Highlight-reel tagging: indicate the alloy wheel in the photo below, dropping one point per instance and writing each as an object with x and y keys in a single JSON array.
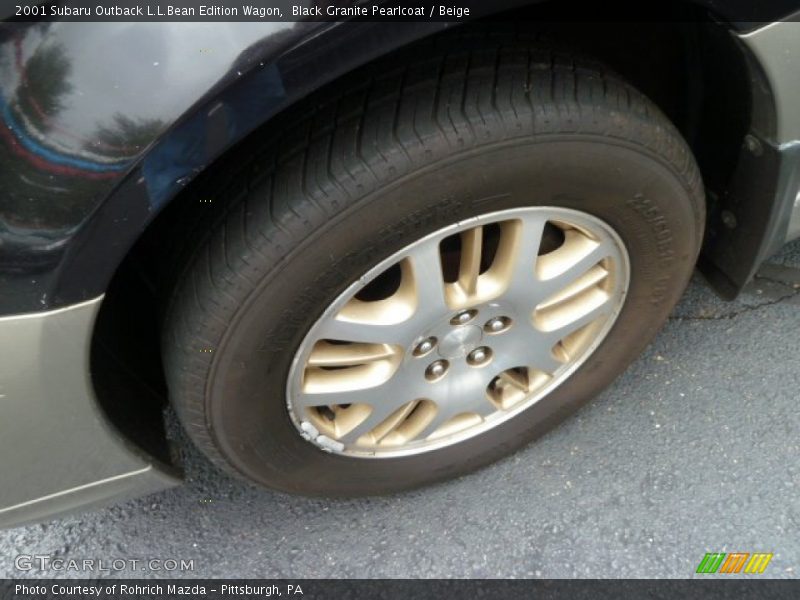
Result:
[{"x": 457, "y": 332}]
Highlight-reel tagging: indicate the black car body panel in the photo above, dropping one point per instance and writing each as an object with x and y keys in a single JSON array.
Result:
[{"x": 135, "y": 126}]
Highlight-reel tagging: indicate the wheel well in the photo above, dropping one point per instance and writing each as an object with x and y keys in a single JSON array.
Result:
[{"x": 693, "y": 69}]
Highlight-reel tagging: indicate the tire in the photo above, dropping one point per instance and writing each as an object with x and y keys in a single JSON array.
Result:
[{"x": 382, "y": 159}]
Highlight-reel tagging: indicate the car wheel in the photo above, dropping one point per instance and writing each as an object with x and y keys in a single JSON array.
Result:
[{"x": 427, "y": 267}]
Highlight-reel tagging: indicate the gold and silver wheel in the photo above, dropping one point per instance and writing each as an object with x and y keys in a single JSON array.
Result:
[{"x": 457, "y": 332}]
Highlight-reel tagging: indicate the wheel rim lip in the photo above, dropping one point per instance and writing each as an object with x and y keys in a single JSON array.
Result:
[{"x": 551, "y": 213}]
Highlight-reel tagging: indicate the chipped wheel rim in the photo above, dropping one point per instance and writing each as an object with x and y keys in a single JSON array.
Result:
[{"x": 457, "y": 332}]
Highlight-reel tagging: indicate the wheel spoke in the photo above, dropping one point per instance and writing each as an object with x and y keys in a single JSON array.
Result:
[
  {"x": 443, "y": 415},
  {"x": 370, "y": 333},
  {"x": 470, "y": 267},
  {"x": 526, "y": 254},
  {"x": 482, "y": 408},
  {"x": 562, "y": 267},
  {"x": 528, "y": 244},
  {"x": 388, "y": 425},
  {"x": 469, "y": 388},
  {"x": 326, "y": 354},
  {"x": 525, "y": 346},
  {"x": 590, "y": 279},
  {"x": 426, "y": 268},
  {"x": 344, "y": 397},
  {"x": 378, "y": 402},
  {"x": 571, "y": 316},
  {"x": 382, "y": 409}
]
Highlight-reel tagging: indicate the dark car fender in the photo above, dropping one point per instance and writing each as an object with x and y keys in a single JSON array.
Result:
[{"x": 91, "y": 154}]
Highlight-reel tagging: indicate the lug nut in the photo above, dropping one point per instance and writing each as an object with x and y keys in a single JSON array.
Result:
[
  {"x": 497, "y": 324},
  {"x": 425, "y": 346},
  {"x": 463, "y": 317},
  {"x": 479, "y": 356},
  {"x": 436, "y": 370}
]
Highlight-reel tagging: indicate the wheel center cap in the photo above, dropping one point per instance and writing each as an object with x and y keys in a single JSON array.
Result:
[{"x": 460, "y": 342}]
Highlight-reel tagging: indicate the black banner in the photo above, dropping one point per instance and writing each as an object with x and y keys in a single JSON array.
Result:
[
  {"x": 392, "y": 10},
  {"x": 318, "y": 589}
]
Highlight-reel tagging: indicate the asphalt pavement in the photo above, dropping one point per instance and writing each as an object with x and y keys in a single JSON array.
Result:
[{"x": 694, "y": 449}]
